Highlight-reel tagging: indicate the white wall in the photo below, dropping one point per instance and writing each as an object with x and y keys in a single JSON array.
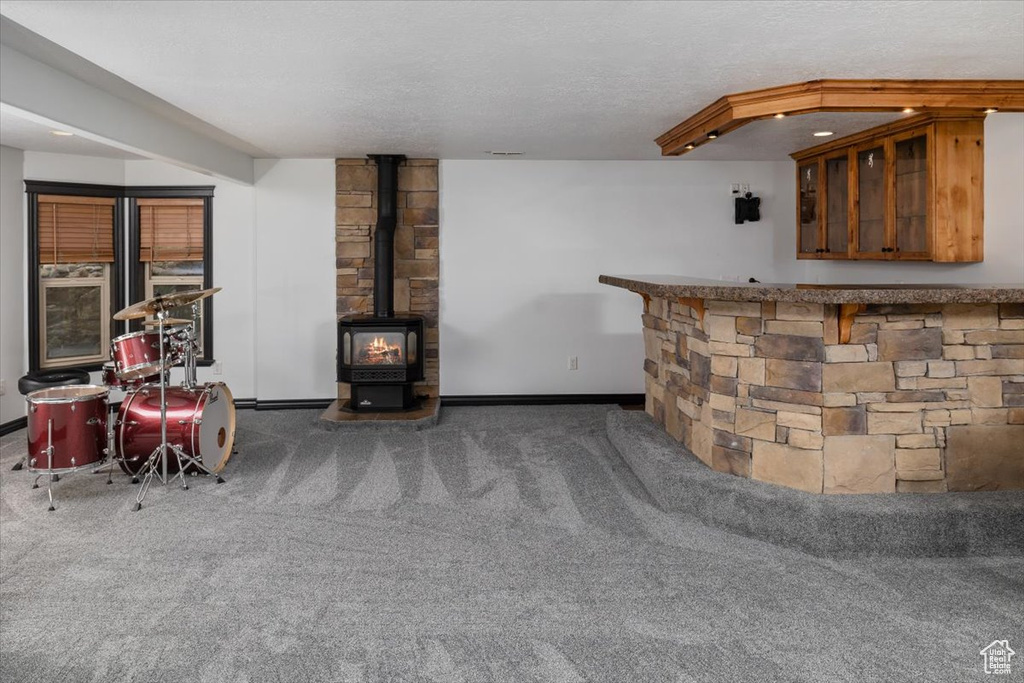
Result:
[
  {"x": 296, "y": 295},
  {"x": 523, "y": 242},
  {"x": 73, "y": 168},
  {"x": 234, "y": 221},
  {"x": 13, "y": 358},
  {"x": 274, "y": 334}
]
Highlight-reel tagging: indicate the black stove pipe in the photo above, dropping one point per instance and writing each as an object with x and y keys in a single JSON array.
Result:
[{"x": 384, "y": 234}]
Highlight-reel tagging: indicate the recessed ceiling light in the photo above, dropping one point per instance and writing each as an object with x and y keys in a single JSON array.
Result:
[
  {"x": 991, "y": 110},
  {"x": 780, "y": 115},
  {"x": 823, "y": 133},
  {"x": 500, "y": 153},
  {"x": 712, "y": 135},
  {"x": 62, "y": 133},
  {"x": 908, "y": 110},
  {"x": 689, "y": 146}
]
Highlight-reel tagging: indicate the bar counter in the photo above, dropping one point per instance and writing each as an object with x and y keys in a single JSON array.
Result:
[
  {"x": 676, "y": 286},
  {"x": 839, "y": 388}
]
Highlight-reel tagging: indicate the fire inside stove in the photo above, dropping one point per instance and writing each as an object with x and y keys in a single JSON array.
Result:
[{"x": 385, "y": 348}]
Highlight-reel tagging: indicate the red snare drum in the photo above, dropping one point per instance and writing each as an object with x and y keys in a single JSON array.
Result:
[
  {"x": 200, "y": 421},
  {"x": 111, "y": 379},
  {"x": 137, "y": 355},
  {"x": 72, "y": 420}
]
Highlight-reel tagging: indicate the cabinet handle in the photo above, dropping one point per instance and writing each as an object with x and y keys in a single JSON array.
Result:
[{"x": 828, "y": 250}]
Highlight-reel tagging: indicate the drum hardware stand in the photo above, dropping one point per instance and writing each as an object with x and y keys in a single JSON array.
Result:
[
  {"x": 49, "y": 465},
  {"x": 160, "y": 452},
  {"x": 111, "y": 429},
  {"x": 192, "y": 351}
]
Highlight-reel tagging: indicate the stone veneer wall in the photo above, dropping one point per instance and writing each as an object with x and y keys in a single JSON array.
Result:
[
  {"x": 417, "y": 262},
  {"x": 924, "y": 398}
]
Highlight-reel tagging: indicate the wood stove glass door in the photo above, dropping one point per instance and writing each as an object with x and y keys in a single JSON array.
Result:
[{"x": 378, "y": 348}]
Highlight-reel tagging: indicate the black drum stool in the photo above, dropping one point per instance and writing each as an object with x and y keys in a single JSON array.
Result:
[{"x": 44, "y": 379}]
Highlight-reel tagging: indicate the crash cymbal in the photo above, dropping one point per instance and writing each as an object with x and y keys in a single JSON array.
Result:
[
  {"x": 140, "y": 309},
  {"x": 163, "y": 303},
  {"x": 168, "y": 321},
  {"x": 186, "y": 298}
]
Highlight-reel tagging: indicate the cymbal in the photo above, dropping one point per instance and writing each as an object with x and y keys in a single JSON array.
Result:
[
  {"x": 163, "y": 303},
  {"x": 168, "y": 321},
  {"x": 186, "y": 298}
]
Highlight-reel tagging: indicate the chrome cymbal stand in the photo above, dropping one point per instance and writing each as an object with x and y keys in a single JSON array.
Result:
[
  {"x": 192, "y": 350},
  {"x": 159, "y": 454}
]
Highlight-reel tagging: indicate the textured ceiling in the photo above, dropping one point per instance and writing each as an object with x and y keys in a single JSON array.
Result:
[{"x": 568, "y": 80}]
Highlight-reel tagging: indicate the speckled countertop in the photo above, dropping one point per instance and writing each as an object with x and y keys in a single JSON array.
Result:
[{"x": 722, "y": 290}]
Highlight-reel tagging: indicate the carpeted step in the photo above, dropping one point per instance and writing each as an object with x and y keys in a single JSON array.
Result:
[{"x": 865, "y": 525}]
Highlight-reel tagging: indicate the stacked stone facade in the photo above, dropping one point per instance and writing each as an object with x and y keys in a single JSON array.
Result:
[
  {"x": 923, "y": 398},
  {"x": 417, "y": 263}
]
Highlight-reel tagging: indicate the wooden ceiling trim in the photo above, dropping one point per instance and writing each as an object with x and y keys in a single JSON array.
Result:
[{"x": 832, "y": 95}]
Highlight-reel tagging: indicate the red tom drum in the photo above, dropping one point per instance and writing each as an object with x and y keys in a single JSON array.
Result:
[
  {"x": 67, "y": 427},
  {"x": 137, "y": 355},
  {"x": 111, "y": 379},
  {"x": 200, "y": 421}
]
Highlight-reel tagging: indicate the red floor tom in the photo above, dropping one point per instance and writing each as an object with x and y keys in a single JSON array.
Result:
[
  {"x": 200, "y": 421},
  {"x": 72, "y": 420}
]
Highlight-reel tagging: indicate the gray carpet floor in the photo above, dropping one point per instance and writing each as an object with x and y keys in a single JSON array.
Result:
[{"x": 506, "y": 544}]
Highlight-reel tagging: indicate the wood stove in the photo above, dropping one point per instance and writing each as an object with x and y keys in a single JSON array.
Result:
[
  {"x": 381, "y": 355},
  {"x": 380, "y": 358}
]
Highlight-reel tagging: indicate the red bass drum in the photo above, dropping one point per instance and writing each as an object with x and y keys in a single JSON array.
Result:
[{"x": 200, "y": 421}]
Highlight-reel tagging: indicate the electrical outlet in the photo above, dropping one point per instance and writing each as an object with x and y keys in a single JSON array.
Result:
[
  {"x": 573, "y": 363},
  {"x": 218, "y": 368},
  {"x": 744, "y": 188}
]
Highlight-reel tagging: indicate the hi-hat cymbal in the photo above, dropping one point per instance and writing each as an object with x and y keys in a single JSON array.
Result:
[
  {"x": 168, "y": 321},
  {"x": 163, "y": 303}
]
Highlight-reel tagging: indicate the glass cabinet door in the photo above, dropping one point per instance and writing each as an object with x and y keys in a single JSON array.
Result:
[
  {"x": 911, "y": 158},
  {"x": 809, "y": 226},
  {"x": 837, "y": 191},
  {"x": 871, "y": 195}
]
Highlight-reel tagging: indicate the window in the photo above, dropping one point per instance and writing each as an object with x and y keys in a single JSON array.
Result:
[
  {"x": 74, "y": 273},
  {"x": 78, "y": 261},
  {"x": 169, "y": 244}
]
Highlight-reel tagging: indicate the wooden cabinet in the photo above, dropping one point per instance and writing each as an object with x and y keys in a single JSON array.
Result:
[{"x": 911, "y": 190}]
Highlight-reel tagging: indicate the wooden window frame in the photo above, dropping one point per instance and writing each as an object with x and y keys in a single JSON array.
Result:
[
  {"x": 114, "y": 282},
  {"x": 64, "y": 283},
  {"x": 137, "y": 281}
]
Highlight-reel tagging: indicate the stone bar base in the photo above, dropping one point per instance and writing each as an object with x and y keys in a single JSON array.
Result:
[{"x": 919, "y": 398}]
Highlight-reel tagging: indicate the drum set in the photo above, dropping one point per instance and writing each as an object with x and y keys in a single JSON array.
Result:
[{"x": 158, "y": 431}]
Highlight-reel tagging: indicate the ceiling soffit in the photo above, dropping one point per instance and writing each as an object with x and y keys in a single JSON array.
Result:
[{"x": 733, "y": 111}]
